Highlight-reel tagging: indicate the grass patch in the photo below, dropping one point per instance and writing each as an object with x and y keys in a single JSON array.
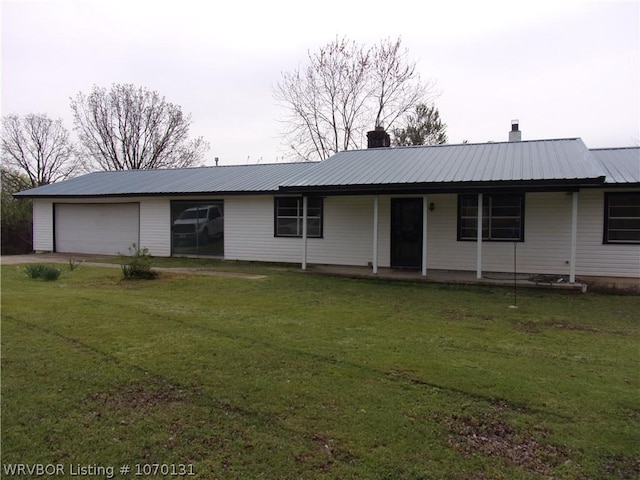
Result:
[
  {"x": 301, "y": 376},
  {"x": 220, "y": 265}
]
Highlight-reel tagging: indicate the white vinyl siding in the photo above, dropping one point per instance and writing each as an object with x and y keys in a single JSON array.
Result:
[
  {"x": 348, "y": 237},
  {"x": 547, "y": 245},
  {"x": 595, "y": 258},
  {"x": 443, "y": 251},
  {"x": 248, "y": 232},
  {"x": 155, "y": 226},
  {"x": 103, "y": 228},
  {"x": 42, "y": 225},
  {"x": 546, "y": 248},
  {"x": 347, "y": 232}
]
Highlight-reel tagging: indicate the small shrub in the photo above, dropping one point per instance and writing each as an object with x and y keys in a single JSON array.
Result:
[
  {"x": 43, "y": 272},
  {"x": 73, "y": 264},
  {"x": 34, "y": 271},
  {"x": 50, "y": 273},
  {"x": 137, "y": 266}
]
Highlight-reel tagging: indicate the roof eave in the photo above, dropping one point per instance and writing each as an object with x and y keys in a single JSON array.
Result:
[
  {"x": 622, "y": 185},
  {"x": 448, "y": 187},
  {"x": 144, "y": 194}
]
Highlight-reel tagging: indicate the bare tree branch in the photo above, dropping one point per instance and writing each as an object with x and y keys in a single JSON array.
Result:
[
  {"x": 345, "y": 90},
  {"x": 38, "y": 147},
  {"x": 131, "y": 128}
]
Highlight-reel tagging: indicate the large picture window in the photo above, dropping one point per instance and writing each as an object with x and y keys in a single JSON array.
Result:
[
  {"x": 622, "y": 217},
  {"x": 502, "y": 217},
  {"x": 288, "y": 217},
  {"x": 197, "y": 228}
]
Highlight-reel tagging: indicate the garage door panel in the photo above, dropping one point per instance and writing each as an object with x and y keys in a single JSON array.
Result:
[{"x": 96, "y": 228}]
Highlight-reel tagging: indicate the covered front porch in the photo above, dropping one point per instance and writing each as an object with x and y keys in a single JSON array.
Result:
[
  {"x": 515, "y": 282},
  {"x": 436, "y": 235}
]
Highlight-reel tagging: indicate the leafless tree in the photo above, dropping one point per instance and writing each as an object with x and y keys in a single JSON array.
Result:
[
  {"x": 130, "y": 128},
  {"x": 36, "y": 148},
  {"x": 345, "y": 90},
  {"x": 398, "y": 89}
]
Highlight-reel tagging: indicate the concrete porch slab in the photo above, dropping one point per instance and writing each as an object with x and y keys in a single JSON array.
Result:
[{"x": 522, "y": 280}]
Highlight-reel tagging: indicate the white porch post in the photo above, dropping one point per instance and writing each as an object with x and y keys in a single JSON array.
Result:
[
  {"x": 425, "y": 206},
  {"x": 305, "y": 201},
  {"x": 376, "y": 208},
  {"x": 574, "y": 238},
  {"x": 479, "y": 240}
]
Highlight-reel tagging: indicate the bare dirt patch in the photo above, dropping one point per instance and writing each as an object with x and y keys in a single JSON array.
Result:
[
  {"x": 532, "y": 326},
  {"x": 324, "y": 453},
  {"x": 623, "y": 467},
  {"x": 489, "y": 435},
  {"x": 139, "y": 396}
]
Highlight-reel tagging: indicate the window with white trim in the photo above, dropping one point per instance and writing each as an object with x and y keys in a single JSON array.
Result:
[
  {"x": 502, "y": 217},
  {"x": 288, "y": 217},
  {"x": 622, "y": 217}
]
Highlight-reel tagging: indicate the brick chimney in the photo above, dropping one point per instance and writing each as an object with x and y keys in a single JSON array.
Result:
[
  {"x": 515, "y": 135},
  {"x": 378, "y": 138}
]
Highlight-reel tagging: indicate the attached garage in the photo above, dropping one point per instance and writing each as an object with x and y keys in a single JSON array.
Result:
[
  {"x": 537, "y": 207},
  {"x": 109, "y": 228}
]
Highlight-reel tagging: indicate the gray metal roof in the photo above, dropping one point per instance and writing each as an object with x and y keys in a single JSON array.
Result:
[
  {"x": 543, "y": 160},
  {"x": 204, "y": 180},
  {"x": 621, "y": 164},
  {"x": 540, "y": 163}
]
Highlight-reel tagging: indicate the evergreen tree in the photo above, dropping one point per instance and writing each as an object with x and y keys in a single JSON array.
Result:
[{"x": 424, "y": 127}]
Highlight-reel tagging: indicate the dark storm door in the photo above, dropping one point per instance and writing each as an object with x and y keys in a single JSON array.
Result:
[{"x": 406, "y": 232}]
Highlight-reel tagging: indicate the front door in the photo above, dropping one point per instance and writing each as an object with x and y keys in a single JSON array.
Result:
[{"x": 406, "y": 232}]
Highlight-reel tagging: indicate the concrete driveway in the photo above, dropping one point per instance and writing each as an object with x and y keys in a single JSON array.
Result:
[{"x": 54, "y": 258}]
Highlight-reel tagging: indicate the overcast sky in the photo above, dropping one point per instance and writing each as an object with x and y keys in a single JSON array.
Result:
[{"x": 564, "y": 69}]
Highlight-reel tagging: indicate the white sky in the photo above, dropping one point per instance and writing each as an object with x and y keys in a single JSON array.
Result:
[{"x": 564, "y": 69}]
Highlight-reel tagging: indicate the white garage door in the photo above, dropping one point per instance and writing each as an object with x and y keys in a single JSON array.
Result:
[{"x": 96, "y": 228}]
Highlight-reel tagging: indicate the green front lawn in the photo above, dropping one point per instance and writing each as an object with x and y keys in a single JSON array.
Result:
[{"x": 297, "y": 376}]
